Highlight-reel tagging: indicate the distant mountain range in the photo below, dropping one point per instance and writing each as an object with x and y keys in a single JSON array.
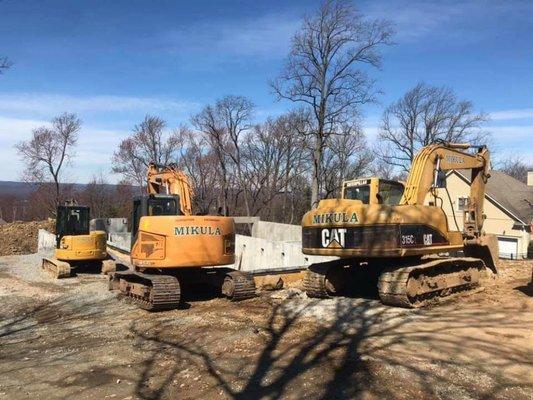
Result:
[{"x": 22, "y": 190}]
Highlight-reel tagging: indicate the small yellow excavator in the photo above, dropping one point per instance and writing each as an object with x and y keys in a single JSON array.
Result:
[
  {"x": 400, "y": 246},
  {"x": 172, "y": 248},
  {"x": 76, "y": 247}
]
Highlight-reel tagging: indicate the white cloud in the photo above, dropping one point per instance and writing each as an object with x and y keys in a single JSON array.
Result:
[
  {"x": 524, "y": 113},
  {"x": 11, "y": 128},
  {"x": 372, "y": 132},
  {"x": 92, "y": 155},
  {"x": 463, "y": 19},
  {"x": 415, "y": 19},
  {"x": 266, "y": 36},
  {"x": 512, "y": 132},
  {"x": 42, "y": 103}
]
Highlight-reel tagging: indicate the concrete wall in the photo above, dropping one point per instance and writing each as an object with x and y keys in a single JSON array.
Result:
[
  {"x": 261, "y": 255},
  {"x": 46, "y": 241},
  {"x": 110, "y": 225},
  {"x": 277, "y": 232},
  {"x": 120, "y": 240}
]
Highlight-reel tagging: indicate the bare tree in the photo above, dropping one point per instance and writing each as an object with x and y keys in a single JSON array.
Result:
[
  {"x": 346, "y": 157},
  {"x": 5, "y": 64},
  {"x": 382, "y": 168},
  {"x": 148, "y": 143},
  {"x": 516, "y": 167},
  {"x": 273, "y": 159},
  {"x": 235, "y": 113},
  {"x": 200, "y": 163},
  {"x": 49, "y": 149},
  {"x": 224, "y": 125},
  {"x": 207, "y": 122},
  {"x": 324, "y": 71},
  {"x": 98, "y": 195},
  {"x": 424, "y": 115}
]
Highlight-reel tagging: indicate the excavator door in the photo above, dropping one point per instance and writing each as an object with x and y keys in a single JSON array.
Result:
[
  {"x": 71, "y": 221},
  {"x": 152, "y": 205}
]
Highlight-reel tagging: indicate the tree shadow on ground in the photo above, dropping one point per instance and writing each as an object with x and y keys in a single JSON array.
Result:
[
  {"x": 355, "y": 351},
  {"x": 526, "y": 289},
  {"x": 270, "y": 348},
  {"x": 52, "y": 338}
]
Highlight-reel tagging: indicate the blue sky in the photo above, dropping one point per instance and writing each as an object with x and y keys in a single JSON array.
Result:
[{"x": 113, "y": 62}]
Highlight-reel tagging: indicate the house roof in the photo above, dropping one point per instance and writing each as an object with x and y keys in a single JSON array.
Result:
[{"x": 511, "y": 194}]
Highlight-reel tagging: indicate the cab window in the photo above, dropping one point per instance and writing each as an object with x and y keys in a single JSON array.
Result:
[
  {"x": 361, "y": 193},
  {"x": 158, "y": 206},
  {"x": 390, "y": 192}
]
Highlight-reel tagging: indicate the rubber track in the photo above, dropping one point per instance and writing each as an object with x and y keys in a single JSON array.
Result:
[
  {"x": 315, "y": 281},
  {"x": 244, "y": 285},
  {"x": 164, "y": 293},
  {"x": 58, "y": 269},
  {"x": 392, "y": 285}
]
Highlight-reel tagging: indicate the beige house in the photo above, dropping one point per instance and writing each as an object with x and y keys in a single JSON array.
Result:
[{"x": 508, "y": 208}]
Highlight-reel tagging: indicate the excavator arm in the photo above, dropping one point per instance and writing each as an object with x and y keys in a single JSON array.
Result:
[
  {"x": 168, "y": 179},
  {"x": 427, "y": 173}
]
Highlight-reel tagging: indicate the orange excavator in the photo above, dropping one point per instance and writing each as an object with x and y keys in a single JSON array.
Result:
[
  {"x": 401, "y": 247},
  {"x": 172, "y": 248}
]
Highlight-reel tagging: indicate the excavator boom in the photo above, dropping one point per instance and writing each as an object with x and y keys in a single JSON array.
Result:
[
  {"x": 168, "y": 179},
  {"x": 432, "y": 161}
]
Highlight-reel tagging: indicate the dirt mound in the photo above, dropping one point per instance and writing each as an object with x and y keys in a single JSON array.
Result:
[{"x": 21, "y": 237}]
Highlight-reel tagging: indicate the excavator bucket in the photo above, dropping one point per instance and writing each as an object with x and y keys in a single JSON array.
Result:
[{"x": 486, "y": 249}]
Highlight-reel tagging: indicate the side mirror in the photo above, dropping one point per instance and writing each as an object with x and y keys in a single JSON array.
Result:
[{"x": 441, "y": 179}]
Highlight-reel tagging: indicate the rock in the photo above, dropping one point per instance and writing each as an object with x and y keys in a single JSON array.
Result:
[{"x": 291, "y": 293}]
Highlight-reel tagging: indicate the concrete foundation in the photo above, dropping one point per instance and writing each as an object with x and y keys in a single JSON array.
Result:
[
  {"x": 277, "y": 232},
  {"x": 259, "y": 255},
  {"x": 109, "y": 225},
  {"x": 121, "y": 241},
  {"x": 46, "y": 241}
]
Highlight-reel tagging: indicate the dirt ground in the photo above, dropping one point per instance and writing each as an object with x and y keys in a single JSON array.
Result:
[
  {"x": 74, "y": 339},
  {"x": 21, "y": 237}
]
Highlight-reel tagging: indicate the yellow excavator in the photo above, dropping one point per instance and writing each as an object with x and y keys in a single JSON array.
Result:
[
  {"x": 172, "y": 248},
  {"x": 76, "y": 246},
  {"x": 401, "y": 247}
]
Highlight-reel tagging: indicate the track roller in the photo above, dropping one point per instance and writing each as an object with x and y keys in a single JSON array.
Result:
[
  {"x": 238, "y": 286},
  {"x": 55, "y": 268},
  {"x": 149, "y": 292},
  {"x": 325, "y": 280},
  {"x": 418, "y": 285}
]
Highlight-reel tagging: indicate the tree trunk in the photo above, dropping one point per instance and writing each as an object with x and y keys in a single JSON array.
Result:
[
  {"x": 315, "y": 180},
  {"x": 56, "y": 181}
]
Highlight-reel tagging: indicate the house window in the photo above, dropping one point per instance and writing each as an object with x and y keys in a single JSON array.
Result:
[{"x": 462, "y": 202}]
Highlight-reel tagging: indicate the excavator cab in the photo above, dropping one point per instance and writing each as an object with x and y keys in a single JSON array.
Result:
[
  {"x": 153, "y": 205},
  {"x": 373, "y": 191},
  {"x": 71, "y": 220}
]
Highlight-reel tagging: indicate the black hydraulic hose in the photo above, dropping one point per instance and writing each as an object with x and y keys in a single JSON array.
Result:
[{"x": 453, "y": 211}]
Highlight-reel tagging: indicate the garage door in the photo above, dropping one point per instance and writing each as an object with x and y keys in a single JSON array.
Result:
[{"x": 508, "y": 247}]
